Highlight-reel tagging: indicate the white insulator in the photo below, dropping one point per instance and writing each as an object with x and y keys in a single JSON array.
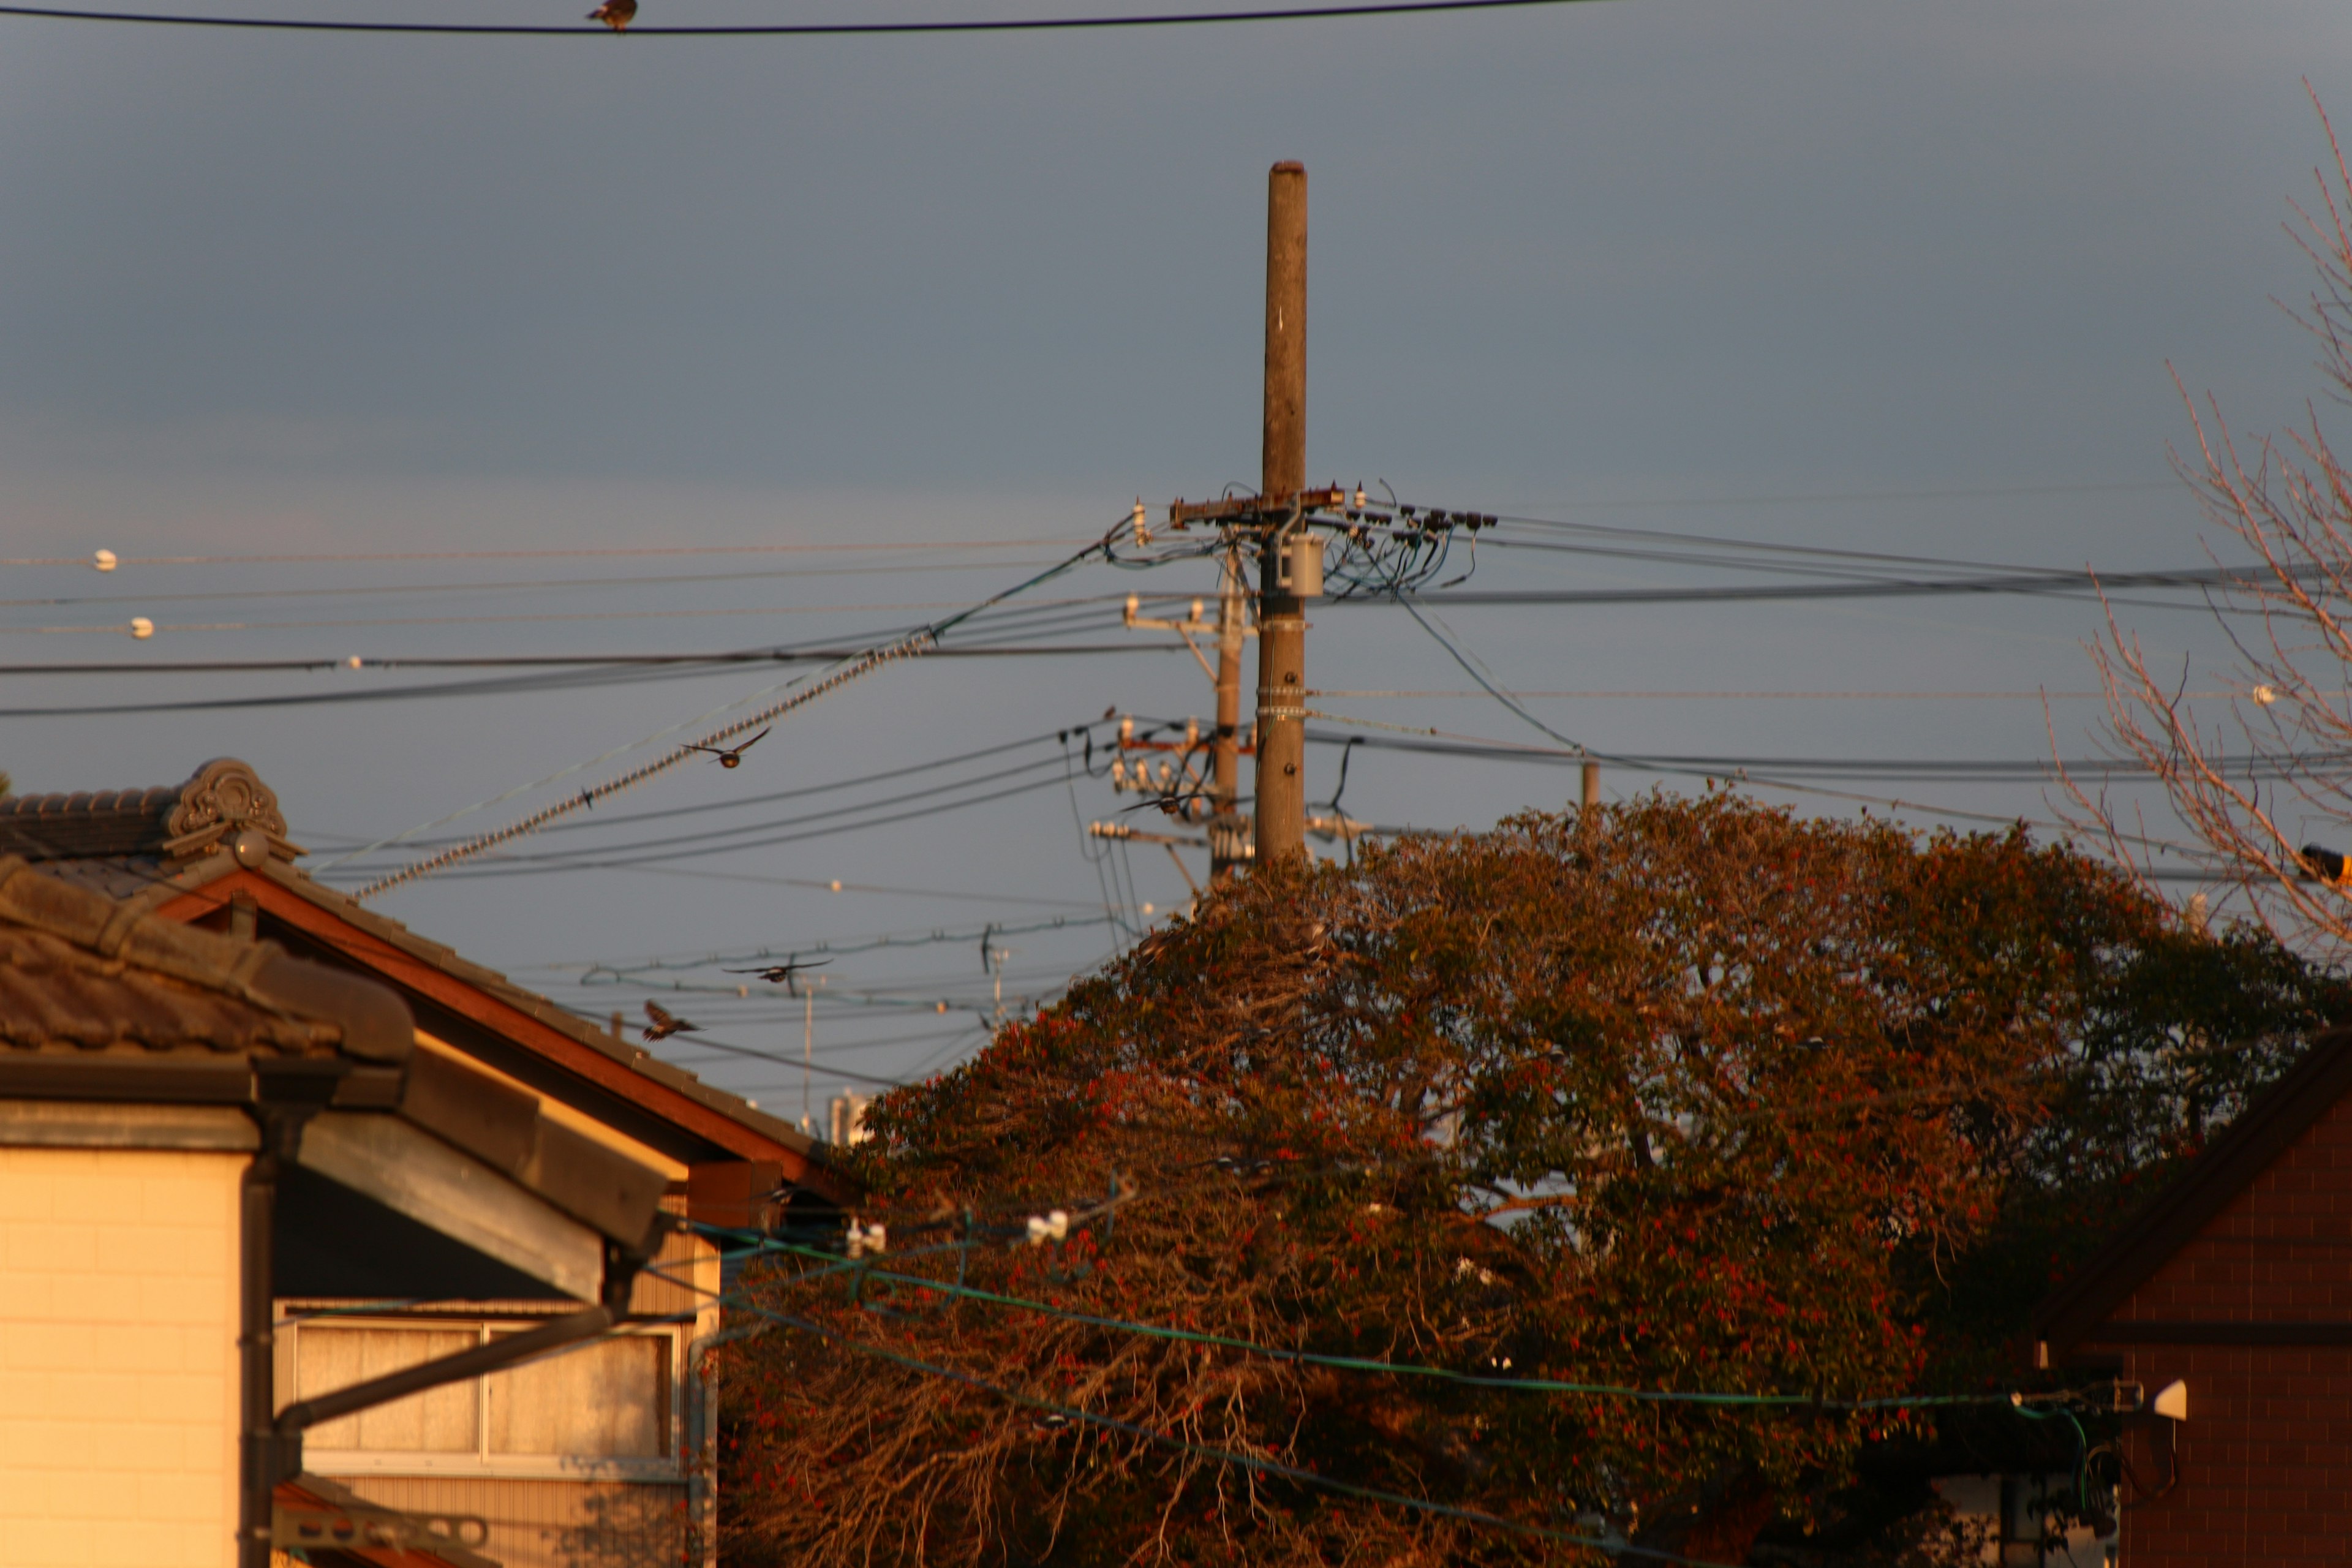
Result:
[
  {"x": 142, "y": 628},
  {"x": 1057, "y": 1225},
  {"x": 1038, "y": 1230},
  {"x": 104, "y": 561}
]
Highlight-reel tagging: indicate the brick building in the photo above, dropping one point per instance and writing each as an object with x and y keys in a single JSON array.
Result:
[{"x": 2237, "y": 1283}]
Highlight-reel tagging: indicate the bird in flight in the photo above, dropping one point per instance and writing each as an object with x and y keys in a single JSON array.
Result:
[
  {"x": 782, "y": 974},
  {"x": 664, "y": 1023},
  {"x": 732, "y": 756},
  {"x": 615, "y": 13}
]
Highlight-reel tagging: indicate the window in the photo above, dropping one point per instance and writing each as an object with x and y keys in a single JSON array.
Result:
[{"x": 607, "y": 1409}]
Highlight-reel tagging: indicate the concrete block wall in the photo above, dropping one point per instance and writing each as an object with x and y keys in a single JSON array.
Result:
[{"x": 118, "y": 1357}]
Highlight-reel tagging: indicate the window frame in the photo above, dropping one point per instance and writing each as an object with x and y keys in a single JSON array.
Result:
[{"x": 481, "y": 1461}]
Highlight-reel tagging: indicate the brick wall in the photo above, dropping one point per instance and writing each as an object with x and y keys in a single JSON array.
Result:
[
  {"x": 118, "y": 1357},
  {"x": 2267, "y": 1452},
  {"x": 2265, "y": 1459}
]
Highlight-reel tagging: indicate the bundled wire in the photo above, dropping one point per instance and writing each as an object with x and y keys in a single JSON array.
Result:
[
  {"x": 747, "y": 1244},
  {"x": 913, "y": 646}
]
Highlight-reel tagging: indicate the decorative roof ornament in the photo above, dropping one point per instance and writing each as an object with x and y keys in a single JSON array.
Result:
[
  {"x": 226, "y": 807},
  {"x": 222, "y": 808}
]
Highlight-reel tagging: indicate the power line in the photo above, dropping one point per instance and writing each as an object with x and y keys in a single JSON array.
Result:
[
  {"x": 622, "y": 670},
  {"x": 1731, "y": 767},
  {"x": 626, "y": 973},
  {"x": 840, "y": 887},
  {"x": 580, "y": 860},
  {"x": 519, "y": 584},
  {"x": 535, "y": 618},
  {"x": 2028, "y": 584},
  {"x": 1829, "y": 497},
  {"x": 804, "y": 30},
  {"x": 1756, "y": 695},
  {"x": 912, "y": 645},
  {"x": 631, "y": 552}
]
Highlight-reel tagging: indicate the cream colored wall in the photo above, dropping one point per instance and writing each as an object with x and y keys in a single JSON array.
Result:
[{"x": 118, "y": 1357}]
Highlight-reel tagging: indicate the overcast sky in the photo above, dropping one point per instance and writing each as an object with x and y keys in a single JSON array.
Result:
[{"x": 1886, "y": 276}]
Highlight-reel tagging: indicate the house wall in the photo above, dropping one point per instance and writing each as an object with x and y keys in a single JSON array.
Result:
[
  {"x": 2265, "y": 1459},
  {"x": 118, "y": 1357}
]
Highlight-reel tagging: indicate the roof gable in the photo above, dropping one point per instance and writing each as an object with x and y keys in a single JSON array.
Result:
[
  {"x": 188, "y": 852},
  {"x": 2298, "y": 1133},
  {"x": 447, "y": 990}
]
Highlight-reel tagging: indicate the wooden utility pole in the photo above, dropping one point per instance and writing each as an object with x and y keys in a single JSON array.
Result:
[{"x": 1282, "y": 615}]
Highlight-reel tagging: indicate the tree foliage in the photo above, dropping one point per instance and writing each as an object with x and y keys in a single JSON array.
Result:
[{"x": 1682, "y": 1095}]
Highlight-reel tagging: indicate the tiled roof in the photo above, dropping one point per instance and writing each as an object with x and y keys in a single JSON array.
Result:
[
  {"x": 81, "y": 973},
  {"x": 97, "y": 996},
  {"x": 149, "y": 847},
  {"x": 56, "y": 996}
]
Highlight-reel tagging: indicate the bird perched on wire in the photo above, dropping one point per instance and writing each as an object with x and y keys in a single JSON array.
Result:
[
  {"x": 782, "y": 974},
  {"x": 615, "y": 13},
  {"x": 664, "y": 1023},
  {"x": 732, "y": 756}
]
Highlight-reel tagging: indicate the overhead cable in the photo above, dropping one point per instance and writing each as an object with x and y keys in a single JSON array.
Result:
[
  {"x": 337, "y": 559},
  {"x": 749, "y": 1243},
  {"x": 804, "y": 30},
  {"x": 914, "y": 646}
]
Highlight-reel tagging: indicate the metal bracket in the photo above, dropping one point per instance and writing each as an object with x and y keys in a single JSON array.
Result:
[{"x": 350, "y": 1529}]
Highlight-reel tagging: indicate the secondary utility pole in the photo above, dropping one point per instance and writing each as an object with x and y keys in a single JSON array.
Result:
[
  {"x": 1229, "y": 831},
  {"x": 1281, "y": 613}
]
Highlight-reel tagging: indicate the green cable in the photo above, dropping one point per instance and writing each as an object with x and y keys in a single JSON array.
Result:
[
  {"x": 1357, "y": 1363},
  {"x": 1221, "y": 1456}
]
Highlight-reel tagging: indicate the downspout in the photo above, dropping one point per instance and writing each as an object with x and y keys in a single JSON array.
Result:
[
  {"x": 287, "y": 1095},
  {"x": 256, "y": 1349},
  {"x": 271, "y": 1445}
]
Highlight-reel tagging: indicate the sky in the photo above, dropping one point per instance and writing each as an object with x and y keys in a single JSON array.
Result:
[{"x": 1820, "y": 273}]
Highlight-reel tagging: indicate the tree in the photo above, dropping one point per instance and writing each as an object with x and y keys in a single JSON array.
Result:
[
  {"x": 2246, "y": 785},
  {"x": 1683, "y": 1095}
]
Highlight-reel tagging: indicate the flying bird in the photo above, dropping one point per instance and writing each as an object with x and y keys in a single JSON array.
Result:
[
  {"x": 732, "y": 756},
  {"x": 615, "y": 13},
  {"x": 782, "y": 974},
  {"x": 664, "y": 1023}
]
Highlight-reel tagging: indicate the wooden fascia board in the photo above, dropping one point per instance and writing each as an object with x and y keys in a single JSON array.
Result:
[
  {"x": 2247, "y": 1148},
  {"x": 401, "y": 968}
]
